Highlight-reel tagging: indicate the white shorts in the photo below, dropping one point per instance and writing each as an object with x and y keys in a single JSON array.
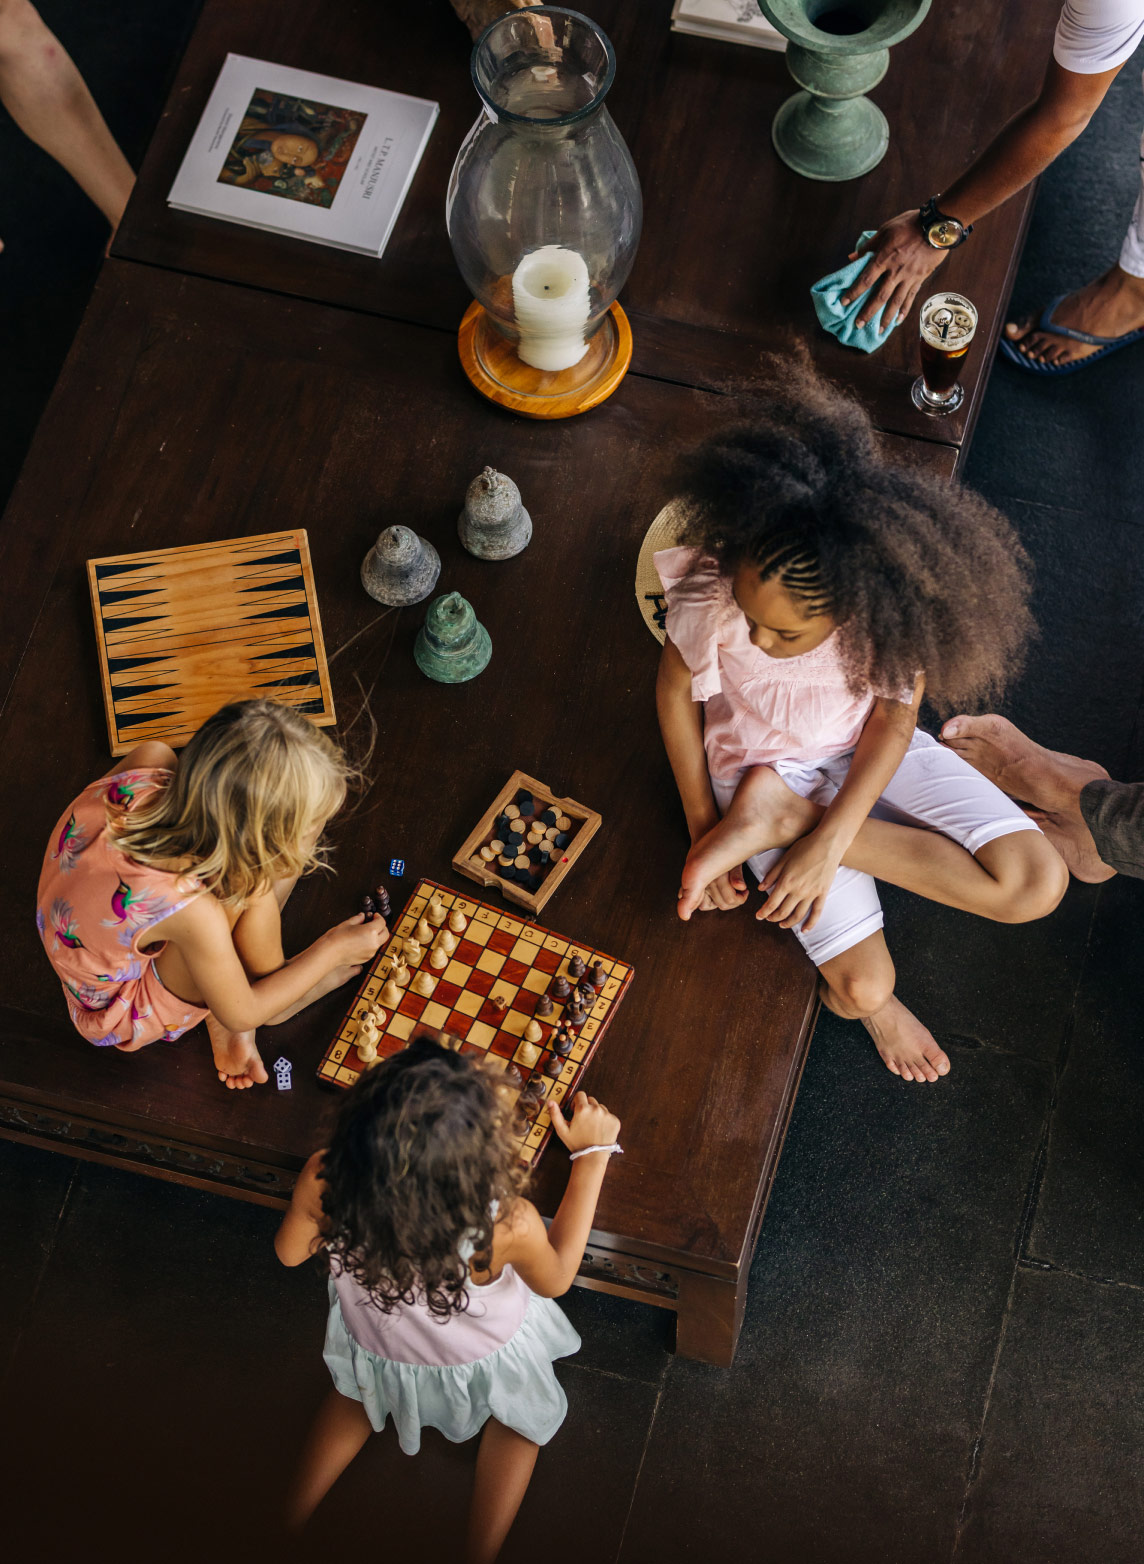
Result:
[{"x": 933, "y": 787}]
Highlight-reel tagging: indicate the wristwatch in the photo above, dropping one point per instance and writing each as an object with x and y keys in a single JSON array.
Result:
[{"x": 942, "y": 232}]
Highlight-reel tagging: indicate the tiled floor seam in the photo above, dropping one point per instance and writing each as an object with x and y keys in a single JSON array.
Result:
[
  {"x": 979, "y": 1441},
  {"x": 1050, "y": 1267},
  {"x": 640, "y": 1467},
  {"x": 33, "y": 1297}
]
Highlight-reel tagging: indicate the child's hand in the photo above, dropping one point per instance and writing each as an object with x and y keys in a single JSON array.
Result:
[
  {"x": 356, "y": 942},
  {"x": 592, "y": 1125},
  {"x": 796, "y": 886},
  {"x": 725, "y": 893}
]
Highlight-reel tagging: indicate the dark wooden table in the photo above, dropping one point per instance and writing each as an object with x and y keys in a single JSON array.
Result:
[
  {"x": 732, "y": 239},
  {"x": 228, "y": 382},
  {"x": 191, "y": 410}
]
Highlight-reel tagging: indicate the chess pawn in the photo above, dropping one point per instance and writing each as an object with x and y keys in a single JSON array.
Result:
[
  {"x": 575, "y": 966},
  {"x": 533, "y": 1032},
  {"x": 400, "y": 568},
  {"x": 381, "y": 900},
  {"x": 424, "y": 931},
  {"x": 438, "y": 959},
  {"x": 561, "y": 988},
  {"x": 494, "y": 524},
  {"x": 391, "y": 994},
  {"x": 435, "y": 912},
  {"x": 424, "y": 983},
  {"x": 447, "y": 941},
  {"x": 528, "y": 1054},
  {"x": 544, "y": 1005},
  {"x": 452, "y": 645},
  {"x": 458, "y": 923}
]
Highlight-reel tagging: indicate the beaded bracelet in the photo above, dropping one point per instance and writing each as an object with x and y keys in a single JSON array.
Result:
[{"x": 586, "y": 1151}]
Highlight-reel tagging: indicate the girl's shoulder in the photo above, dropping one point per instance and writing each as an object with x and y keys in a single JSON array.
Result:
[{"x": 124, "y": 791}]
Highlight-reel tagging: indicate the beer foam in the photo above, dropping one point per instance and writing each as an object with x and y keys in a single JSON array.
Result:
[{"x": 948, "y": 321}]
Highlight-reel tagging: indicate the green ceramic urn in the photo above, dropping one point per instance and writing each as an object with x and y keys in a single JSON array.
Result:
[{"x": 837, "y": 51}]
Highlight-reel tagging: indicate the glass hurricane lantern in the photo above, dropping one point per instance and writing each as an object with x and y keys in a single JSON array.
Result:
[{"x": 544, "y": 214}]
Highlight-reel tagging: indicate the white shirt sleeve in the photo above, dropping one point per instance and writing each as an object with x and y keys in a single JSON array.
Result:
[{"x": 1097, "y": 35}]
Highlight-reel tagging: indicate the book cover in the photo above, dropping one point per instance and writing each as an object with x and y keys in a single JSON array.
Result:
[
  {"x": 734, "y": 21},
  {"x": 301, "y": 154}
]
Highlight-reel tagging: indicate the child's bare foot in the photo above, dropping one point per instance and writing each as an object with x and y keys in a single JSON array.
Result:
[
  {"x": 236, "y": 1058},
  {"x": 907, "y": 1047},
  {"x": 763, "y": 813}
]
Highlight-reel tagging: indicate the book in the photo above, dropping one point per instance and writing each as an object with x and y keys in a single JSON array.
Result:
[
  {"x": 310, "y": 156},
  {"x": 733, "y": 21}
]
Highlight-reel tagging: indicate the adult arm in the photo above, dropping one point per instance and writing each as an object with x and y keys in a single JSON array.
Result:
[
  {"x": 797, "y": 885},
  {"x": 901, "y": 258}
]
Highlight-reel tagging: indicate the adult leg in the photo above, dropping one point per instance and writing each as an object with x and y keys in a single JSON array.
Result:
[
  {"x": 340, "y": 1429},
  {"x": 504, "y": 1468},
  {"x": 1108, "y": 307},
  {"x": 859, "y": 986},
  {"x": 47, "y": 97},
  {"x": 1049, "y": 781}
]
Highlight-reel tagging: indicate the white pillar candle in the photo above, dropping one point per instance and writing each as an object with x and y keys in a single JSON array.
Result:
[{"x": 550, "y": 297}]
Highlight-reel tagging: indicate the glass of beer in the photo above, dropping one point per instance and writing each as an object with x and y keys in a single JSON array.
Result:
[{"x": 948, "y": 322}]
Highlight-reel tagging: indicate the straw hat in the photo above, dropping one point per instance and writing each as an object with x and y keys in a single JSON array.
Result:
[{"x": 663, "y": 533}]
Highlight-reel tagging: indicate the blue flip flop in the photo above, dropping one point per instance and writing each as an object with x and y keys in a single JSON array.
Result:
[{"x": 1106, "y": 345}]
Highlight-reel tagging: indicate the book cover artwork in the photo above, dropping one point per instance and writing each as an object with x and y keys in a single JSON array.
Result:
[{"x": 291, "y": 147}]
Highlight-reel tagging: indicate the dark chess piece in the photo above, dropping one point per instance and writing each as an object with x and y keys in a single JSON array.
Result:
[
  {"x": 597, "y": 977},
  {"x": 381, "y": 897},
  {"x": 575, "y": 1016},
  {"x": 562, "y": 1043},
  {"x": 585, "y": 995},
  {"x": 368, "y": 908},
  {"x": 544, "y": 1005},
  {"x": 575, "y": 967},
  {"x": 512, "y": 1075},
  {"x": 552, "y": 1066},
  {"x": 561, "y": 988}
]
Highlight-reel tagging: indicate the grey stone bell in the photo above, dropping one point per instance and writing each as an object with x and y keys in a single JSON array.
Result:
[
  {"x": 494, "y": 524},
  {"x": 400, "y": 568}
]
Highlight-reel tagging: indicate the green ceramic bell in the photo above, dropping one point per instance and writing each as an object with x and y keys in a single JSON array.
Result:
[
  {"x": 452, "y": 645},
  {"x": 837, "y": 51}
]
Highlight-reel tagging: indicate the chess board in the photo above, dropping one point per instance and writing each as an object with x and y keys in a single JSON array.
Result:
[
  {"x": 182, "y": 631},
  {"x": 496, "y": 955}
]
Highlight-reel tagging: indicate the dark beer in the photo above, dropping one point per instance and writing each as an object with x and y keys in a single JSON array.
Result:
[{"x": 948, "y": 322}]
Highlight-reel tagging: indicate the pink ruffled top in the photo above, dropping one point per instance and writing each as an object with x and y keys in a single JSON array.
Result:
[{"x": 759, "y": 709}]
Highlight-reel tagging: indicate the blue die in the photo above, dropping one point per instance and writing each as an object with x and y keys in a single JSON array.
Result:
[{"x": 397, "y": 867}]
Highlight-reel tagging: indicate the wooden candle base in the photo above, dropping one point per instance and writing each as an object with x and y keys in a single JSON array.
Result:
[{"x": 492, "y": 365}]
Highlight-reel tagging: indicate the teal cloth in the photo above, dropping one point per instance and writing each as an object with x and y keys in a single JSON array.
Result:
[
  {"x": 839, "y": 318},
  {"x": 515, "y": 1384}
]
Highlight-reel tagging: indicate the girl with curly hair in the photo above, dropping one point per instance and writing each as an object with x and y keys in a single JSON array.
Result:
[
  {"x": 442, "y": 1274},
  {"x": 816, "y": 595}
]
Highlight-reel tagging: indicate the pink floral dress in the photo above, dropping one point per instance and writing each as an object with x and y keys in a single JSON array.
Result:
[{"x": 97, "y": 911}]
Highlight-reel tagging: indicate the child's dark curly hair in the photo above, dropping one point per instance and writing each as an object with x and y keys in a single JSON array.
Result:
[
  {"x": 919, "y": 574},
  {"x": 419, "y": 1158}
]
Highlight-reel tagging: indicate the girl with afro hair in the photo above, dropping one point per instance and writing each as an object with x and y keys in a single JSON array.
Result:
[{"x": 816, "y": 594}]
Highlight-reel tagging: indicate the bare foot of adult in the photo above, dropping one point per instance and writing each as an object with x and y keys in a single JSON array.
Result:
[
  {"x": 763, "y": 813},
  {"x": 1026, "y": 771},
  {"x": 907, "y": 1047},
  {"x": 236, "y": 1058},
  {"x": 1108, "y": 307},
  {"x": 1073, "y": 840}
]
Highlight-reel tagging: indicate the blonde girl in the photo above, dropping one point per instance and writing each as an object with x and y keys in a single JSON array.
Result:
[{"x": 159, "y": 903}]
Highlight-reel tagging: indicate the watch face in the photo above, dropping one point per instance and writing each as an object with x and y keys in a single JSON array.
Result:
[{"x": 944, "y": 235}]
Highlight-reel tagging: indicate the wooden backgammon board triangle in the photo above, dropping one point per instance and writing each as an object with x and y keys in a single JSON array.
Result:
[{"x": 182, "y": 631}]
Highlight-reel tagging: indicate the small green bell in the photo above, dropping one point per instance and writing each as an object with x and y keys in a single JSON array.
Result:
[{"x": 452, "y": 645}]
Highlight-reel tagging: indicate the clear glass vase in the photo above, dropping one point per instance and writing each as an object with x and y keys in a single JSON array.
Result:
[{"x": 544, "y": 207}]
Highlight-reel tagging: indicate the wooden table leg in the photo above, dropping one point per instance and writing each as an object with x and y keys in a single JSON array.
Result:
[{"x": 709, "y": 1315}]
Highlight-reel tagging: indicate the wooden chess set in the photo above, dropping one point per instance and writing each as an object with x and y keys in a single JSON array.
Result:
[
  {"x": 526, "y": 842},
  {"x": 531, "y": 1003},
  {"x": 182, "y": 631}
]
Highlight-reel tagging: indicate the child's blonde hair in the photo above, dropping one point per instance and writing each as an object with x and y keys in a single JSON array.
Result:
[{"x": 250, "y": 785}]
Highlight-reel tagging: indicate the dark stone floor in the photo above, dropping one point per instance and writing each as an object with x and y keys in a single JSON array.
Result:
[{"x": 944, "y": 1344}]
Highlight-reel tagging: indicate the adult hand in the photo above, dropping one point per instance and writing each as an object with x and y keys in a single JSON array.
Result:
[
  {"x": 901, "y": 258},
  {"x": 796, "y": 886}
]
